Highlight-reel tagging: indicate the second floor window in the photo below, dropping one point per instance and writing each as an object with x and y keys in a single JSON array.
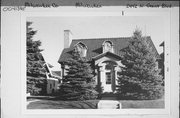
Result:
[
  {"x": 107, "y": 47},
  {"x": 81, "y": 49}
]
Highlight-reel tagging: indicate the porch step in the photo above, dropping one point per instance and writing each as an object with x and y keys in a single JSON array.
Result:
[{"x": 109, "y": 96}]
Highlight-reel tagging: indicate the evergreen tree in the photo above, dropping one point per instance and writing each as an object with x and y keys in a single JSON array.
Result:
[
  {"x": 36, "y": 83},
  {"x": 79, "y": 83},
  {"x": 140, "y": 78}
]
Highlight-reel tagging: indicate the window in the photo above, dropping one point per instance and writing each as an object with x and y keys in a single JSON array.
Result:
[
  {"x": 108, "y": 78},
  {"x": 81, "y": 49},
  {"x": 107, "y": 46}
]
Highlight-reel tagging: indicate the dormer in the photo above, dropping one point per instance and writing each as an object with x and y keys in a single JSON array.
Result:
[
  {"x": 81, "y": 49},
  {"x": 108, "y": 46}
]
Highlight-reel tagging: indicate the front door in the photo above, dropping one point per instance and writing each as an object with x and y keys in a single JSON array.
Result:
[
  {"x": 108, "y": 82},
  {"x": 107, "y": 76}
]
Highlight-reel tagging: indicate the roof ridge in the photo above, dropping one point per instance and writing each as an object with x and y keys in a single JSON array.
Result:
[
  {"x": 101, "y": 38},
  {"x": 104, "y": 38}
]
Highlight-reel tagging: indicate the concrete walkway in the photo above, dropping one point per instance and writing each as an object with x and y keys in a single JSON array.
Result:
[
  {"x": 109, "y": 104},
  {"x": 109, "y": 101}
]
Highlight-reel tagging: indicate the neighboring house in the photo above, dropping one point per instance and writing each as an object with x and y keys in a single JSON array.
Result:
[
  {"x": 53, "y": 79},
  {"x": 162, "y": 54},
  {"x": 161, "y": 60},
  {"x": 103, "y": 53}
]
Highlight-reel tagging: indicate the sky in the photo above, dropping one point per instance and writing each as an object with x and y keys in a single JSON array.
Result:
[{"x": 50, "y": 30}]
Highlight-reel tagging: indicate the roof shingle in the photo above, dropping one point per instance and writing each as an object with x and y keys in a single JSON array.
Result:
[{"x": 95, "y": 46}]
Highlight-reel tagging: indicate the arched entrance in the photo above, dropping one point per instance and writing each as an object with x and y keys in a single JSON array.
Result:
[
  {"x": 107, "y": 65},
  {"x": 109, "y": 76}
]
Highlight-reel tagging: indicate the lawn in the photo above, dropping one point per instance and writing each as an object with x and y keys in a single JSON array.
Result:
[
  {"x": 142, "y": 104},
  {"x": 53, "y": 104},
  {"x": 92, "y": 104}
]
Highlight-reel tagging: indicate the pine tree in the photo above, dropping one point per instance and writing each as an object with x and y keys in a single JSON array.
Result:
[
  {"x": 140, "y": 78},
  {"x": 79, "y": 83},
  {"x": 36, "y": 82}
]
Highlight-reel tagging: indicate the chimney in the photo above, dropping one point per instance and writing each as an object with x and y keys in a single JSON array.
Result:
[{"x": 67, "y": 38}]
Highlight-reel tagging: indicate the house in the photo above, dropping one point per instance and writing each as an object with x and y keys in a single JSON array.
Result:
[
  {"x": 104, "y": 55},
  {"x": 161, "y": 60},
  {"x": 53, "y": 79}
]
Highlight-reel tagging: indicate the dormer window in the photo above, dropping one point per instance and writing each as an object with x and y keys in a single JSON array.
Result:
[
  {"x": 108, "y": 47},
  {"x": 81, "y": 49}
]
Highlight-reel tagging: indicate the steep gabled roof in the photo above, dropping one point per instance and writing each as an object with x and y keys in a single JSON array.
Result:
[{"x": 95, "y": 46}]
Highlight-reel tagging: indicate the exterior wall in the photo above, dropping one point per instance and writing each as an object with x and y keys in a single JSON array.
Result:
[{"x": 52, "y": 85}]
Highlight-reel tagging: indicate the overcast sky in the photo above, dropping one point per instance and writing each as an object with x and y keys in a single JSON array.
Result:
[{"x": 50, "y": 30}]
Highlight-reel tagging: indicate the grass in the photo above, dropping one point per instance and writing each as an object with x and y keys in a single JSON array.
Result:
[
  {"x": 92, "y": 104},
  {"x": 51, "y": 104},
  {"x": 142, "y": 104}
]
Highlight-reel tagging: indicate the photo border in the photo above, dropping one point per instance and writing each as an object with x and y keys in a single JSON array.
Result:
[{"x": 116, "y": 12}]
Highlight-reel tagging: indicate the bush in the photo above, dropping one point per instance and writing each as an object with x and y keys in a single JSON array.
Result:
[
  {"x": 36, "y": 86},
  {"x": 91, "y": 95},
  {"x": 136, "y": 91}
]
